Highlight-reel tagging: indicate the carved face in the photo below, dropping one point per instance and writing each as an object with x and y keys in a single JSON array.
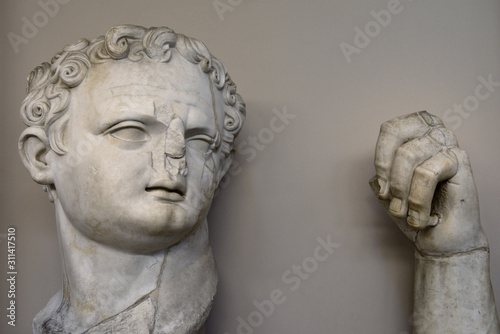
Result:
[{"x": 141, "y": 168}]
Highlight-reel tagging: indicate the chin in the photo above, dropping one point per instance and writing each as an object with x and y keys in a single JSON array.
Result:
[
  {"x": 146, "y": 240},
  {"x": 142, "y": 229},
  {"x": 159, "y": 228}
]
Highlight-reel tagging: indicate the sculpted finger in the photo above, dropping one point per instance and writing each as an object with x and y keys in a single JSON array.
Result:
[
  {"x": 408, "y": 157},
  {"x": 442, "y": 136},
  {"x": 400, "y": 222},
  {"x": 392, "y": 135},
  {"x": 440, "y": 167}
]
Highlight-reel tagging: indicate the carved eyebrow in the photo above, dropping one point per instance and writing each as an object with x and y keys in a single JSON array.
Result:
[{"x": 200, "y": 130}]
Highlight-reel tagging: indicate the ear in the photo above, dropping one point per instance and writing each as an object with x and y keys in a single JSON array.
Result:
[{"x": 33, "y": 148}]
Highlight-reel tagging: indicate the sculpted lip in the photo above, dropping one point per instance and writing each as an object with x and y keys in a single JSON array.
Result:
[
  {"x": 171, "y": 195},
  {"x": 167, "y": 190}
]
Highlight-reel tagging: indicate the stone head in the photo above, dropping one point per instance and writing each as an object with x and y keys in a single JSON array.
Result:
[{"x": 130, "y": 135}]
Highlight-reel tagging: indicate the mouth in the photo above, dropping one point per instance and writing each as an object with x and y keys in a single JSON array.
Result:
[{"x": 167, "y": 195}]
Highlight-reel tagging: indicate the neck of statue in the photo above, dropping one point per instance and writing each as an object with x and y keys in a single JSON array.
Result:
[{"x": 107, "y": 289}]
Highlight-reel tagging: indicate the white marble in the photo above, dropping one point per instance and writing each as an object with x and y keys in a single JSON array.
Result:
[
  {"x": 130, "y": 135},
  {"x": 425, "y": 183}
]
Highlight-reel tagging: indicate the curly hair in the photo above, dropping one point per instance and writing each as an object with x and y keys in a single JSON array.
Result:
[{"x": 49, "y": 84}]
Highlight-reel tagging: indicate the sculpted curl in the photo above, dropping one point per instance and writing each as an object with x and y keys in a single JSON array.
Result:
[{"x": 49, "y": 84}]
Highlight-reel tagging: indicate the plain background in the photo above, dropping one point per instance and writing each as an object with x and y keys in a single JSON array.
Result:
[{"x": 309, "y": 180}]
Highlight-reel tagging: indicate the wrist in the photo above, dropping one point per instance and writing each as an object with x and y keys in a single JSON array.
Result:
[
  {"x": 445, "y": 256},
  {"x": 446, "y": 241}
]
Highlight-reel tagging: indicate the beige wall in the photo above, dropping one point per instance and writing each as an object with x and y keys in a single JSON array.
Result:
[{"x": 310, "y": 179}]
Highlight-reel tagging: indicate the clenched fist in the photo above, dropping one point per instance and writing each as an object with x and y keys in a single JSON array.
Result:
[{"x": 425, "y": 183}]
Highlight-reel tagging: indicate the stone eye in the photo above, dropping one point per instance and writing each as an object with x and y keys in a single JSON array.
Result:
[
  {"x": 129, "y": 132},
  {"x": 200, "y": 142}
]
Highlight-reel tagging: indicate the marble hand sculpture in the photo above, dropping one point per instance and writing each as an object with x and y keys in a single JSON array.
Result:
[
  {"x": 130, "y": 135},
  {"x": 425, "y": 183}
]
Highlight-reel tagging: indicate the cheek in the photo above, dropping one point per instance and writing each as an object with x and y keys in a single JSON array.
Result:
[
  {"x": 116, "y": 163},
  {"x": 102, "y": 172}
]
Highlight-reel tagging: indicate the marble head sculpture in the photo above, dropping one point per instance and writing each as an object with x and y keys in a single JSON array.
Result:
[{"x": 130, "y": 134}]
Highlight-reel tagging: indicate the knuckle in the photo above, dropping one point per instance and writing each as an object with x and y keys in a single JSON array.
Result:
[
  {"x": 437, "y": 120},
  {"x": 405, "y": 152},
  {"x": 388, "y": 127},
  {"x": 443, "y": 136},
  {"x": 430, "y": 119},
  {"x": 450, "y": 136},
  {"x": 425, "y": 173},
  {"x": 382, "y": 163}
]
